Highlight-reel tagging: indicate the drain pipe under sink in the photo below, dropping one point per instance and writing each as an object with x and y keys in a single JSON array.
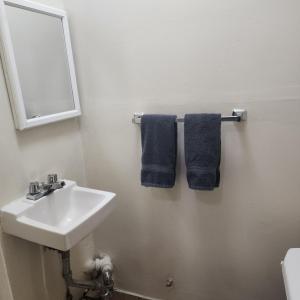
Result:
[
  {"x": 67, "y": 274},
  {"x": 102, "y": 283}
]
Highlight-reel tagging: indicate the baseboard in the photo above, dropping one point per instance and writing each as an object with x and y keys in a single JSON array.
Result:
[{"x": 135, "y": 295}]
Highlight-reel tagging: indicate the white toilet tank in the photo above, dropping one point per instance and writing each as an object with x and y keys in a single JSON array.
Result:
[{"x": 291, "y": 273}]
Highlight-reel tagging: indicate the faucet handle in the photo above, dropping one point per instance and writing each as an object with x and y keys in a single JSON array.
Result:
[
  {"x": 52, "y": 178},
  {"x": 34, "y": 188}
]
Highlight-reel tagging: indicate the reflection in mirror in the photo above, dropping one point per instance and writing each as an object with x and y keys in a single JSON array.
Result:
[{"x": 42, "y": 63}]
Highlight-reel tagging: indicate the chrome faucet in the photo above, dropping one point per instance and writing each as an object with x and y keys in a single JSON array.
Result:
[{"x": 38, "y": 190}]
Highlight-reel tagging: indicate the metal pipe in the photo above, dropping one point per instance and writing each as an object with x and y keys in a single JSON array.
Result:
[{"x": 67, "y": 274}]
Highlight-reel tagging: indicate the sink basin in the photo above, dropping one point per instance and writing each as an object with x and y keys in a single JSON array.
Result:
[{"x": 59, "y": 220}]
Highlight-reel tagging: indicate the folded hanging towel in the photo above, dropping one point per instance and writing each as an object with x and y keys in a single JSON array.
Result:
[
  {"x": 202, "y": 142},
  {"x": 159, "y": 150}
]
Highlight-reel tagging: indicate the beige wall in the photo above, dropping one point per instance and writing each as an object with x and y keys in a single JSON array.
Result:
[
  {"x": 25, "y": 156},
  {"x": 171, "y": 57},
  {"x": 194, "y": 56}
]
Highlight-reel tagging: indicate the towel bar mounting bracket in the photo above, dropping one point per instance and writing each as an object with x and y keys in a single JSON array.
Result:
[
  {"x": 239, "y": 112},
  {"x": 238, "y": 115}
]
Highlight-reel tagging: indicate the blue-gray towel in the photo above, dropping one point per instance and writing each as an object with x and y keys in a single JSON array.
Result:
[
  {"x": 159, "y": 150},
  {"x": 202, "y": 142}
]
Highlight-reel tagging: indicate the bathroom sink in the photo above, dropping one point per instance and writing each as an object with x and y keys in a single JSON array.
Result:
[{"x": 59, "y": 220}]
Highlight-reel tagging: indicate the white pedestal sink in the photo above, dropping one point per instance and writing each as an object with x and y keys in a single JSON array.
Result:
[{"x": 59, "y": 220}]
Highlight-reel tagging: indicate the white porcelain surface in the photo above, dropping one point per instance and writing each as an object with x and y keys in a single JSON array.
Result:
[
  {"x": 59, "y": 220},
  {"x": 291, "y": 273}
]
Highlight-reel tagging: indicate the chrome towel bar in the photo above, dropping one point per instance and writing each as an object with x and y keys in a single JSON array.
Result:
[{"x": 238, "y": 115}]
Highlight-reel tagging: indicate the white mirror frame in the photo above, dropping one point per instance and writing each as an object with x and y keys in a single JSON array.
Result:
[{"x": 11, "y": 72}]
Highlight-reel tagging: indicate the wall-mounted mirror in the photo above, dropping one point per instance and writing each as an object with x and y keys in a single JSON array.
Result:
[{"x": 38, "y": 61}]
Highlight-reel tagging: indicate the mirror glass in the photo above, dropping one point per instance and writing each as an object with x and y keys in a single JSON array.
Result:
[{"x": 41, "y": 58}]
